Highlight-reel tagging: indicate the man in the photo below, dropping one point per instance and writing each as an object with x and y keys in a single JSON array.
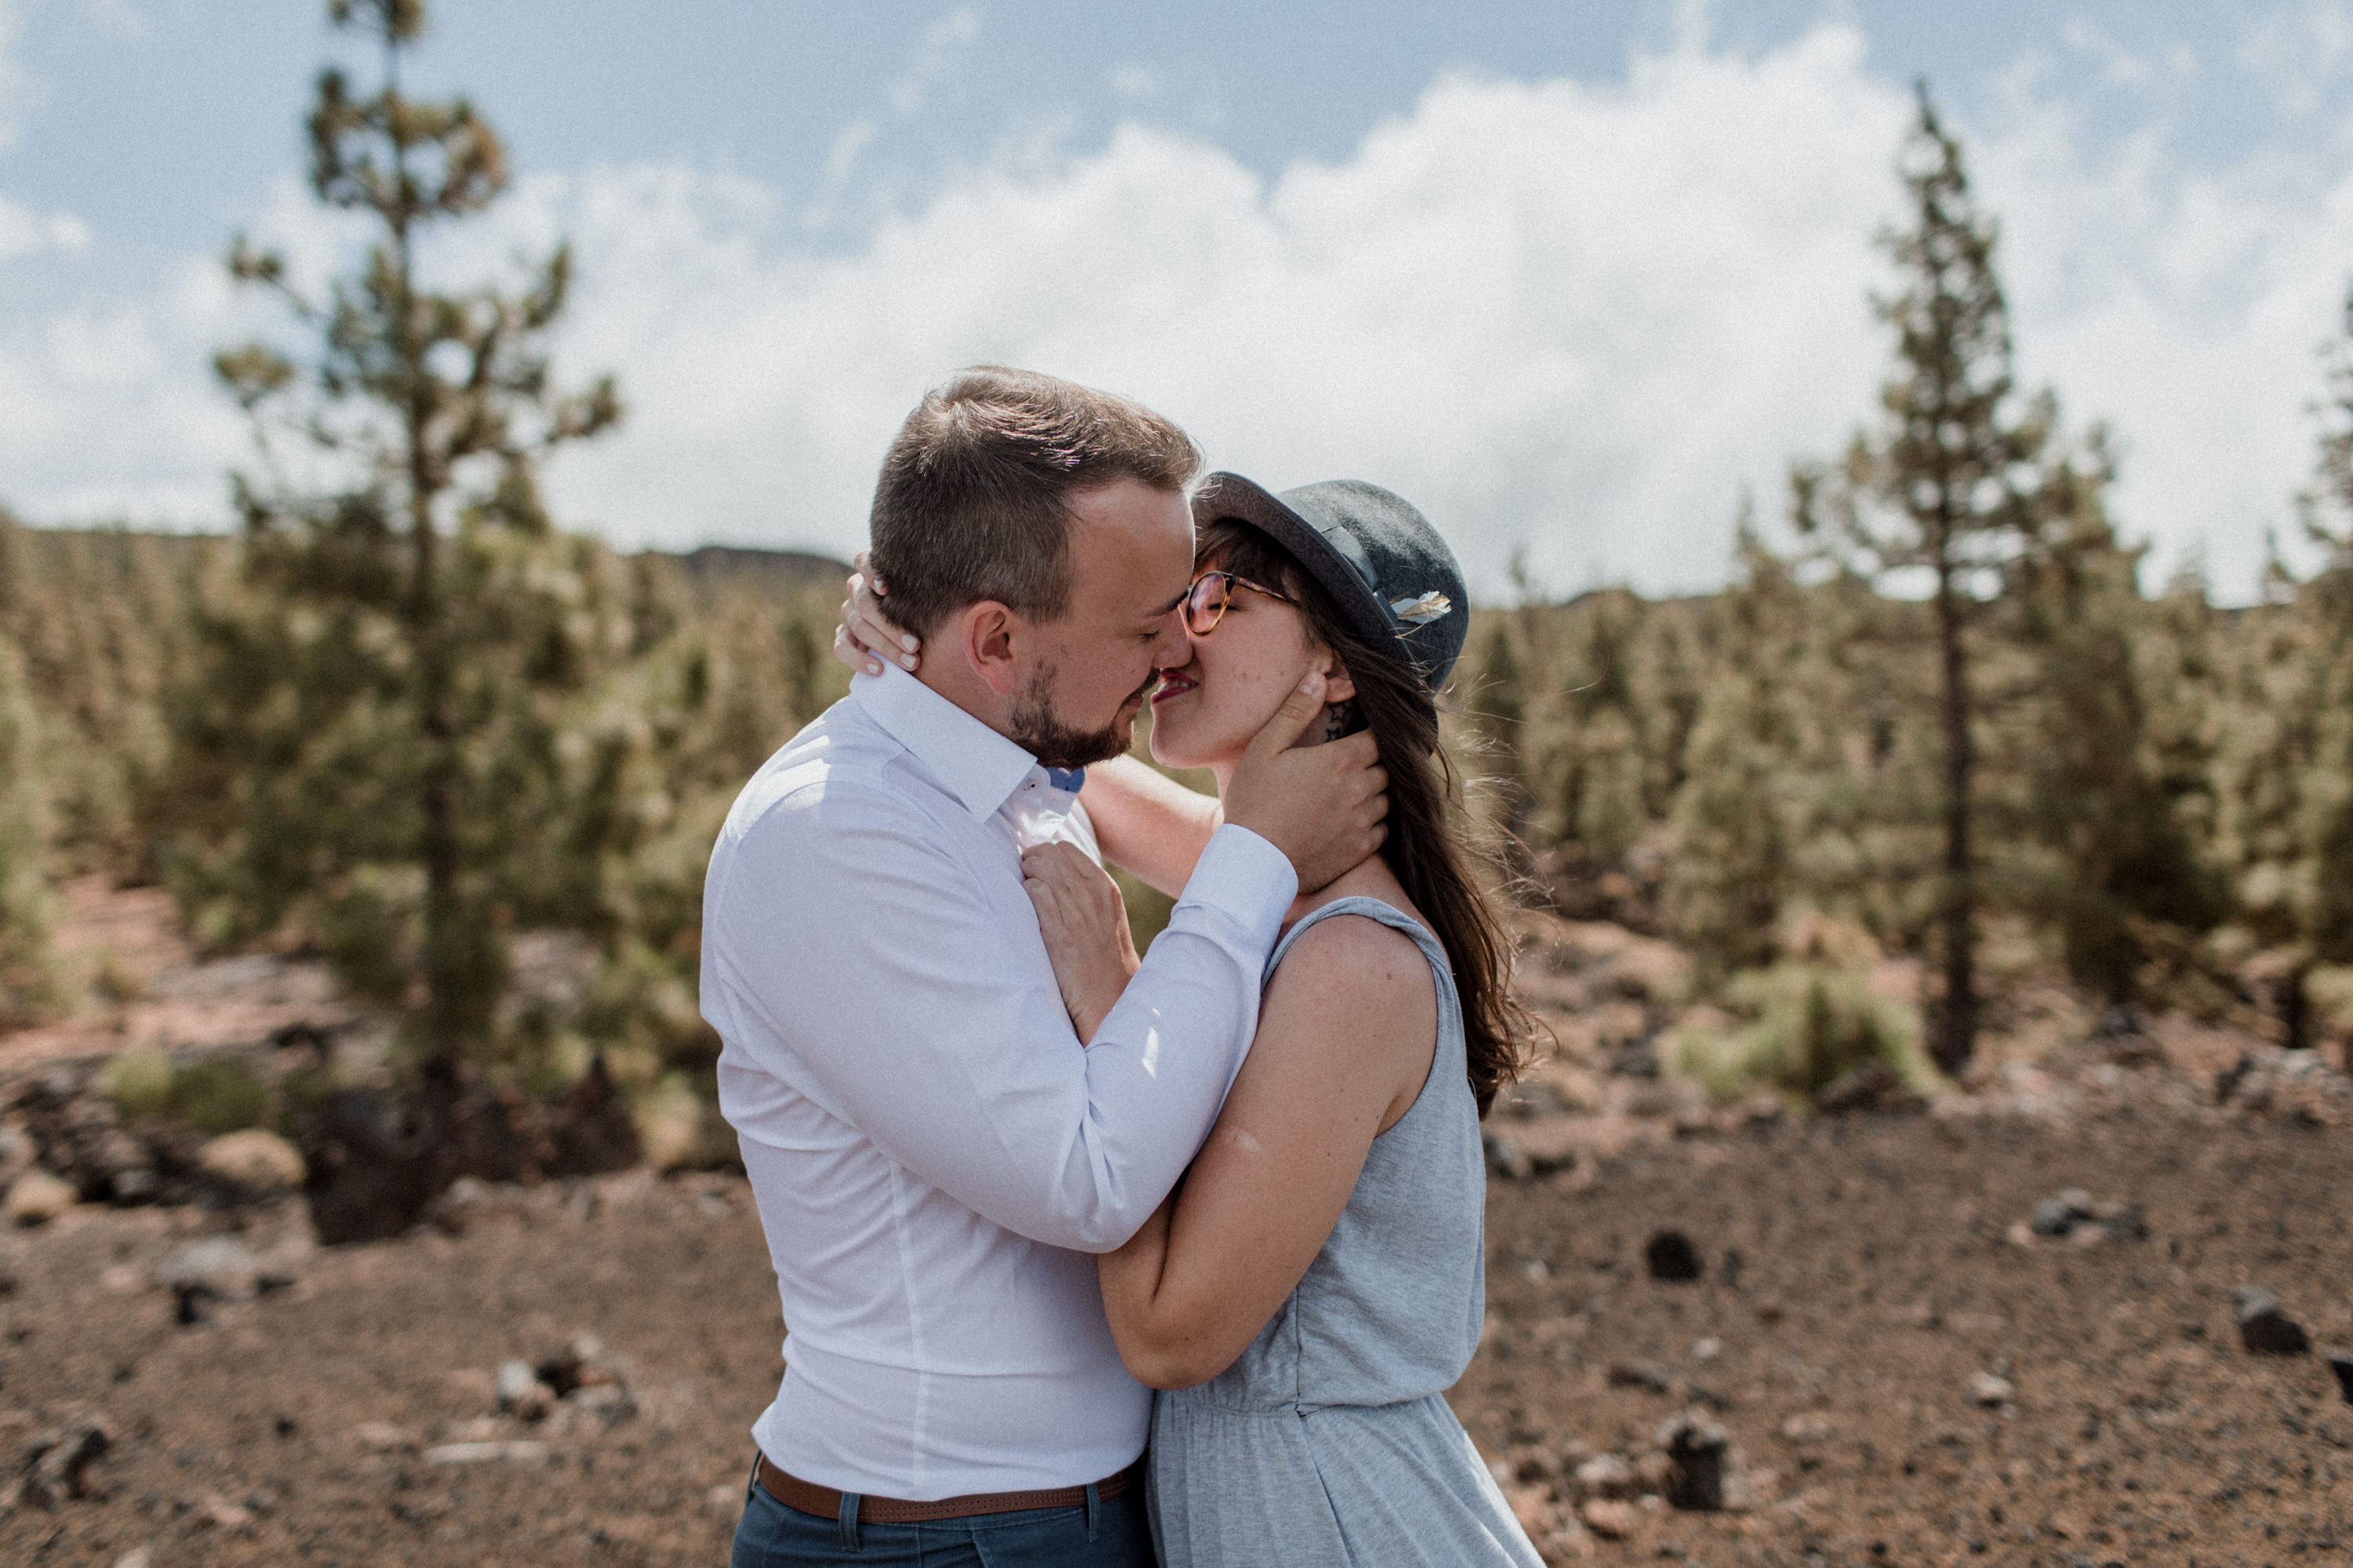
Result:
[{"x": 937, "y": 1153}]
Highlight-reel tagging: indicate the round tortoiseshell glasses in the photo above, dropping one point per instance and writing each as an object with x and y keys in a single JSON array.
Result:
[{"x": 1206, "y": 601}]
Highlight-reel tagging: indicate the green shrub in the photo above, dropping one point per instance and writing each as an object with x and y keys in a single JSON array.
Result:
[
  {"x": 139, "y": 1081},
  {"x": 219, "y": 1095},
  {"x": 1800, "y": 1026}
]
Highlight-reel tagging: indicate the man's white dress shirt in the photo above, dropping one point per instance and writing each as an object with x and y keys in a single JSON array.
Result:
[{"x": 937, "y": 1155}]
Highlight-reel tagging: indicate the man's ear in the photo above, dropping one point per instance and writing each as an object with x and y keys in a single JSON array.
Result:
[
  {"x": 1338, "y": 686},
  {"x": 984, "y": 632}
]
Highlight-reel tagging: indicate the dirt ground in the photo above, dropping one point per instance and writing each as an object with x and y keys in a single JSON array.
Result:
[
  {"x": 331, "y": 1421},
  {"x": 1906, "y": 1373}
]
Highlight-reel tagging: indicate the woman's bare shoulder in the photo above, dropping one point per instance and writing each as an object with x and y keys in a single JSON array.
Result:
[{"x": 1375, "y": 966}]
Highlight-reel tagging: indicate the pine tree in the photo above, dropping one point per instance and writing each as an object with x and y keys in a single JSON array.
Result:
[
  {"x": 2323, "y": 895},
  {"x": 2118, "y": 854},
  {"x": 1940, "y": 496},
  {"x": 27, "y": 907},
  {"x": 386, "y": 722},
  {"x": 1735, "y": 861}
]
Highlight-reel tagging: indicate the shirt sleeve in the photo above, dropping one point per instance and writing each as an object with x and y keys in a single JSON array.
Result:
[{"x": 911, "y": 1005}]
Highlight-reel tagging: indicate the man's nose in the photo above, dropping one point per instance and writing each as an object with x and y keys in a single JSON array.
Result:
[{"x": 1174, "y": 646}]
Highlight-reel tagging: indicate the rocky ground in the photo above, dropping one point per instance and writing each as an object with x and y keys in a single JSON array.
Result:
[{"x": 2011, "y": 1327}]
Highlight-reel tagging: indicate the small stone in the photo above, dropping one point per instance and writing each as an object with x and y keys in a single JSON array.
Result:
[
  {"x": 1707, "y": 1349},
  {"x": 1506, "y": 1159},
  {"x": 1647, "y": 1374},
  {"x": 37, "y": 1197},
  {"x": 610, "y": 1402},
  {"x": 219, "y": 1514},
  {"x": 1533, "y": 1465},
  {"x": 1607, "y": 1518},
  {"x": 137, "y": 1557},
  {"x": 2341, "y": 1363},
  {"x": 1991, "y": 1392},
  {"x": 221, "y": 1267},
  {"x": 1806, "y": 1427},
  {"x": 1671, "y": 1255},
  {"x": 522, "y": 1395},
  {"x": 256, "y": 1160},
  {"x": 2120, "y": 1222},
  {"x": 518, "y": 1450},
  {"x": 379, "y": 1436},
  {"x": 1706, "y": 1466},
  {"x": 191, "y": 1305},
  {"x": 57, "y": 1462},
  {"x": 1607, "y": 1476},
  {"x": 2054, "y": 1216},
  {"x": 2265, "y": 1329},
  {"x": 578, "y": 1365}
]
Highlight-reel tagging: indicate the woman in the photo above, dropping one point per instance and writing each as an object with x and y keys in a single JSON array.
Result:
[{"x": 1315, "y": 1283}]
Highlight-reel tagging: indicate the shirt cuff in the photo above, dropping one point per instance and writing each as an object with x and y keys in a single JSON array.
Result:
[{"x": 1245, "y": 877}]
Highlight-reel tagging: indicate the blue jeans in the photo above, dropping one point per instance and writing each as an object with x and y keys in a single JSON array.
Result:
[{"x": 1109, "y": 1533}]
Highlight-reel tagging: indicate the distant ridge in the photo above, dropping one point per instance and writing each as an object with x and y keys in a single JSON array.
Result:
[
  {"x": 713, "y": 568},
  {"x": 716, "y": 566}
]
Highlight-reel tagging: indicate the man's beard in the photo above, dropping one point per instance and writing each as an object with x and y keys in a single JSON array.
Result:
[{"x": 1040, "y": 732}]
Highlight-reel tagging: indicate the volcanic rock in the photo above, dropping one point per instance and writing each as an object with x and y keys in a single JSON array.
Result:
[
  {"x": 1704, "y": 1477},
  {"x": 1607, "y": 1476},
  {"x": 57, "y": 1462},
  {"x": 522, "y": 1394},
  {"x": 2265, "y": 1329},
  {"x": 1672, "y": 1255},
  {"x": 2341, "y": 1363},
  {"x": 37, "y": 1197},
  {"x": 254, "y": 1161},
  {"x": 1991, "y": 1392},
  {"x": 1607, "y": 1518},
  {"x": 2073, "y": 1214},
  {"x": 1647, "y": 1374}
]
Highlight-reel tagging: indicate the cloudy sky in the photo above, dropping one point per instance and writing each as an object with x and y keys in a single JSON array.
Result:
[{"x": 1569, "y": 274}]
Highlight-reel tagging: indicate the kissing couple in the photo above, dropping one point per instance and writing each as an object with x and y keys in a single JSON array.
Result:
[{"x": 1015, "y": 1178}]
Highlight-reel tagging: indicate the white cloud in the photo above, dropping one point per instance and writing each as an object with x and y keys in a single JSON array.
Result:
[
  {"x": 19, "y": 93},
  {"x": 1137, "y": 84},
  {"x": 1575, "y": 317},
  {"x": 2183, "y": 309},
  {"x": 2297, "y": 50},
  {"x": 23, "y": 232},
  {"x": 944, "y": 43},
  {"x": 1567, "y": 316}
]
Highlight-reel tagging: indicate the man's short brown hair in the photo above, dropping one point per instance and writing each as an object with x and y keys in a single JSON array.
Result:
[{"x": 974, "y": 499}]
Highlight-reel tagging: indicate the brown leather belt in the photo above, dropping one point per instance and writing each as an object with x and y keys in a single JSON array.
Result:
[{"x": 825, "y": 1503}]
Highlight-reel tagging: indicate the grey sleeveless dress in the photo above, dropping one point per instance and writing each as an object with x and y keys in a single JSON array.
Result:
[{"x": 1329, "y": 1442}]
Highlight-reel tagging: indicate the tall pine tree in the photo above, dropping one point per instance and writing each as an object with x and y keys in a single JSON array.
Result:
[
  {"x": 1940, "y": 498},
  {"x": 384, "y": 724}
]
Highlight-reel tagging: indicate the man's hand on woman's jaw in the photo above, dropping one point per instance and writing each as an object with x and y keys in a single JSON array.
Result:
[{"x": 1322, "y": 805}]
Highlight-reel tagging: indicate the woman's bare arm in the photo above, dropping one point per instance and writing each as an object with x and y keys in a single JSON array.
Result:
[
  {"x": 1343, "y": 1046},
  {"x": 1149, "y": 822}
]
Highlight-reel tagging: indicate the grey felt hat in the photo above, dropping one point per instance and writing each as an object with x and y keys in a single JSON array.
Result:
[{"x": 1392, "y": 574}]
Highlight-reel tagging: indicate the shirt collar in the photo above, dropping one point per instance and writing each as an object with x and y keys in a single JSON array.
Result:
[{"x": 980, "y": 767}]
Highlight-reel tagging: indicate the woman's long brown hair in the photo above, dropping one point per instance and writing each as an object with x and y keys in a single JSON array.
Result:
[{"x": 1426, "y": 848}]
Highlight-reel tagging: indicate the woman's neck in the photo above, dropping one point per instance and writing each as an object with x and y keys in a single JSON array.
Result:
[{"x": 1368, "y": 877}]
